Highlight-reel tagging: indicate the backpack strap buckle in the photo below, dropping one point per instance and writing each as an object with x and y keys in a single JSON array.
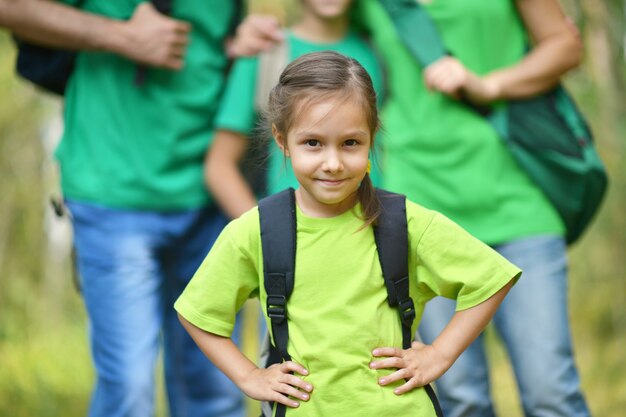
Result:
[
  {"x": 276, "y": 308},
  {"x": 407, "y": 311}
]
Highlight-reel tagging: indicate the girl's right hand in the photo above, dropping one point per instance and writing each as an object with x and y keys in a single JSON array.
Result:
[{"x": 277, "y": 384}]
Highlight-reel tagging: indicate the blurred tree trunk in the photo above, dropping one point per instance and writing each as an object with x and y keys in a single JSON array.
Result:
[{"x": 603, "y": 31}]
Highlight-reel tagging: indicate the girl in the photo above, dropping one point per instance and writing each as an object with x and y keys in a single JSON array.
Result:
[
  {"x": 343, "y": 337},
  {"x": 323, "y": 25}
]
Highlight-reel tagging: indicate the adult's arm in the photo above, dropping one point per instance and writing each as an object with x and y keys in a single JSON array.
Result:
[
  {"x": 557, "y": 48},
  {"x": 147, "y": 37}
]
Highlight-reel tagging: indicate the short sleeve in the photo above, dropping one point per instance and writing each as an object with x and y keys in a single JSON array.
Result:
[
  {"x": 226, "y": 279},
  {"x": 450, "y": 262},
  {"x": 236, "y": 111}
]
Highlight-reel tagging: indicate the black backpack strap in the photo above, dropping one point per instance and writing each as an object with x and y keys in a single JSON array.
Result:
[
  {"x": 277, "y": 216},
  {"x": 163, "y": 7},
  {"x": 392, "y": 242}
]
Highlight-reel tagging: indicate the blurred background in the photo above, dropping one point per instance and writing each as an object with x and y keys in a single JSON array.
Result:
[{"x": 45, "y": 369}]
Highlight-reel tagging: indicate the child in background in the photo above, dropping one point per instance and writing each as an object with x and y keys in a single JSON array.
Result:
[
  {"x": 344, "y": 338},
  {"x": 324, "y": 25}
]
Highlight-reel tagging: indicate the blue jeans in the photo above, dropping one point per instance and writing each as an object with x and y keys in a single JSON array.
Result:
[
  {"x": 533, "y": 324},
  {"x": 133, "y": 265}
]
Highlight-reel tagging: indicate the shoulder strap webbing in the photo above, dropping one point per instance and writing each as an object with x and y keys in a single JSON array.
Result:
[
  {"x": 164, "y": 7},
  {"x": 393, "y": 252},
  {"x": 277, "y": 217},
  {"x": 416, "y": 30},
  {"x": 392, "y": 242}
]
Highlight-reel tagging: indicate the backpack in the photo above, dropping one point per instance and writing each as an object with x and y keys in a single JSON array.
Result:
[
  {"x": 277, "y": 217},
  {"x": 47, "y": 67},
  {"x": 51, "y": 68},
  {"x": 546, "y": 135}
]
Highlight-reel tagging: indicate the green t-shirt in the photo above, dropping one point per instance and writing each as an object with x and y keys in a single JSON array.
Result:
[
  {"x": 443, "y": 155},
  {"x": 142, "y": 146},
  {"x": 338, "y": 311},
  {"x": 237, "y": 111}
]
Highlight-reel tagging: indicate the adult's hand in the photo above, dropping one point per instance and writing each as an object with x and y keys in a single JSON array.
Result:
[
  {"x": 255, "y": 34},
  {"x": 153, "y": 39},
  {"x": 449, "y": 76}
]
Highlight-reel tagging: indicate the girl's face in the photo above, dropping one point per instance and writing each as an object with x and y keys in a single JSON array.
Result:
[
  {"x": 327, "y": 9},
  {"x": 329, "y": 144}
]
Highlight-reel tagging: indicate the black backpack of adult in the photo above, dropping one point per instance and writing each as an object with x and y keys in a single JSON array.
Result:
[{"x": 277, "y": 217}]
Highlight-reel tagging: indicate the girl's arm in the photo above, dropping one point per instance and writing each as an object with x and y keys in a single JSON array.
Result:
[
  {"x": 422, "y": 364},
  {"x": 557, "y": 48},
  {"x": 275, "y": 383},
  {"x": 223, "y": 176}
]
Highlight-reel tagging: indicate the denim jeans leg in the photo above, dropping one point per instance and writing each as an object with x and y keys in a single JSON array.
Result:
[
  {"x": 534, "y": 325},
  {"x": 121, "y": 288},
  {"x": 463, "y": 391},
  {"x": 196, "y": 388}
]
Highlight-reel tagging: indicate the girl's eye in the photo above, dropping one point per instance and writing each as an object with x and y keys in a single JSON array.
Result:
[
  {"x": 312, "y": 142},
  {"x": 351, "y": 142}
]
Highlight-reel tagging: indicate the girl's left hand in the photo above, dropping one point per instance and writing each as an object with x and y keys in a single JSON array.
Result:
[
  {"x": 419, "y": 365},
  {"x": 449, "y": 76}
]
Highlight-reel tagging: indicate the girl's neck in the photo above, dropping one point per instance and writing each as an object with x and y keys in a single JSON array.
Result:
[
  {"x": 313, "y": 208},
  {"x": 315, "y": 29}
]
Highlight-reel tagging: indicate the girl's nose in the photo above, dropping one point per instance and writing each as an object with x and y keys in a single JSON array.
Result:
[{"x": 332, "y": 163}]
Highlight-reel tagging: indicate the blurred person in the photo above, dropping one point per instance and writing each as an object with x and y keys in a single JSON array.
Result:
[
  {"x": 444, "y": 155},
  {"x": 323, "y": 25},
  {"x": 131, "y": 161}
]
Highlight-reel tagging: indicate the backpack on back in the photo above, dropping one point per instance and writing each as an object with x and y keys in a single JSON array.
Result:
[
  {"x": 547, "y": 135},
  {"x": 277, "y": 217}
]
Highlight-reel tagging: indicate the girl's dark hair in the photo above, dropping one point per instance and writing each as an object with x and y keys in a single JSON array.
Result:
[{"x": 315, "y": 77}]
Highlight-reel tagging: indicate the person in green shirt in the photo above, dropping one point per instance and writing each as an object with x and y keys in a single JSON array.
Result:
[
  {"x": 322, "y": 26},
  {"x": 344, "y": 338},
  {"x": 442, "y": 154},
  {"x": 131, "y": 161}
]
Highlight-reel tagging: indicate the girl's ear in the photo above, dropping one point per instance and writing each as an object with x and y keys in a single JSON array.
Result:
[{"x": 280, "y": 140}]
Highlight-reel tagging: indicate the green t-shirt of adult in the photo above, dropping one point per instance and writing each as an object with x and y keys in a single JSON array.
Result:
[
  {"x": 443, "y": 155},
  {"x": 237, "y": 110},
  {"x": 142, "y": 146},
  {"x": 338, "y": 311}
]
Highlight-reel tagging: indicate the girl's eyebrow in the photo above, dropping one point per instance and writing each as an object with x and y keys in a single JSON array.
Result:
[{"x": 314, "y": 133}]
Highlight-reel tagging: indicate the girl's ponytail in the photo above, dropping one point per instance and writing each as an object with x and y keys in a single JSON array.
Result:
[{"x": 369, "y": 201}]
